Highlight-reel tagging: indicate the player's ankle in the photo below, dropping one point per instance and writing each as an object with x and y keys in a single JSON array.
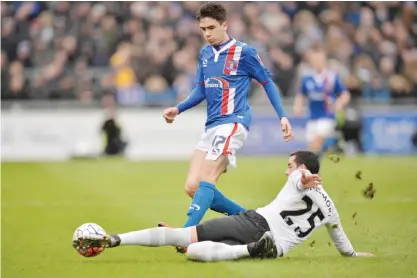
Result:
[{"x": 114, "y": 240}]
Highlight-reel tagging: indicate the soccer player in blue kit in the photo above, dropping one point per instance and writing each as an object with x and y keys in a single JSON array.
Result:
[
  {"x": 225, "y": 70},
  {"x": 326, "y": 96}
]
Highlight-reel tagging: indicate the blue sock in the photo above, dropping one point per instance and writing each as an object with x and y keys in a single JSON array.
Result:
[
  {"x": 224, "y": 205},
  {"x": 201, "y": 203}
]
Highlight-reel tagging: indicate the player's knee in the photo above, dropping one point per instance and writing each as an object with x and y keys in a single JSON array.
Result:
[
  {"x": 191, "y": 187},
  {"x": 196, "y": 252}
]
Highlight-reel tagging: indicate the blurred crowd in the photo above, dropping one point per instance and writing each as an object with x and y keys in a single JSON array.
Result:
[{"x": 146, "y": 52}]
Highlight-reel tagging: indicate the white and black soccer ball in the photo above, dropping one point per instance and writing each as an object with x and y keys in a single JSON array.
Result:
[{"x": 84, "y": 230}]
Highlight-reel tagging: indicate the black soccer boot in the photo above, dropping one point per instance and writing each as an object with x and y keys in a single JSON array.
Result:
[{"x": 263, "y": 248}]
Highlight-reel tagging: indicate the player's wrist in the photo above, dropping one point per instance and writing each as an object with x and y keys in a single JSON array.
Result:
[{"x": 179, "y": 109}]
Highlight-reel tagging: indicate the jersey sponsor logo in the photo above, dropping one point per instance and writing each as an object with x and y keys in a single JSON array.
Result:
[
  {"x": 218, "y": 83},
  {"x": 228, "y": 94},
  {"x": 204, "y": 63},
  {"x": 317, "y": 96},
  {"x": 310, "y": 85}
]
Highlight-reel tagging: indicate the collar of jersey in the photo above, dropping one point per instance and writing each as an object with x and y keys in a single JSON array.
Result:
[{"x": 217, "y": 52}]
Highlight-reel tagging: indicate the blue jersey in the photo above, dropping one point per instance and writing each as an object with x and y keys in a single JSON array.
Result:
[
  {"x": 226, "y": 73},
  {"x": 321, "y": 90}
]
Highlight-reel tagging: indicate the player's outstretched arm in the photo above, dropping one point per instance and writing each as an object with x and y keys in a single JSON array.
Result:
[
  {"x": 309, "y": 181},
  {"x": 341, "y": 101},
  {"x": 298, "y": 105},
  {"x": 195, "y": 98},
  {"x": 341, "y": 241},
  {"x": 257, "y": 70},
  {"x": 343, "y": 95}
]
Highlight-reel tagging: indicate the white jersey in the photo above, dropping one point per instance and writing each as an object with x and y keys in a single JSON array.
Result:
[{"x": 297, "y": 212}]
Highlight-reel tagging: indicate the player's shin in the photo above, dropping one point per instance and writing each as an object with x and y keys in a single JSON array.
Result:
[
  {"x": 202, "y": 201},
  {"x": 157, "y": 237},
  {"x": 209, "y": 251},
  {"x": 224, "y": 205}
]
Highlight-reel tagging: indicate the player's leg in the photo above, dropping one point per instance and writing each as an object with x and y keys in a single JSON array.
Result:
[
  {"x": 243, "y": 228},
  {"x": 318, "y": 131},
  {"x": 210, "y": 251},
  {"x": 194, "y": 175},
  {"x": 221, "y": 203},
  {"x": 248, "y": 232},
  {"x": 314, "y": 140},
  {"x": 221, "y": 145},
  {"x": 153, "y": 237}
]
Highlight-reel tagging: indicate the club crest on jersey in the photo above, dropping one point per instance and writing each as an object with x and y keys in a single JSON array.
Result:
[{"x": 231, "y": 65}]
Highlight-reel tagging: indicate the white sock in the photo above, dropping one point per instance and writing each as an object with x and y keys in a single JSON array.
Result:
[
  {"x": 209, "y": 251},
  {"x": 158, "y": 237}
]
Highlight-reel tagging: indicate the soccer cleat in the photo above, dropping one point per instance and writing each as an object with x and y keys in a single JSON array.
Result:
[
  {"x": 263, "y": 248},
  {"x": 179, "y": 249},
  {"x": 106, "y": 241},
  {"x": 163, "y": 224}
]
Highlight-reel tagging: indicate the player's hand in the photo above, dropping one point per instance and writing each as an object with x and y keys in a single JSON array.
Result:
[
  {"x": 338, "y": 106},
  {"x": 364, "y": 255},
  {"x": 310, "y": 181},
  {"x": 170, "y": 114},
  {"x": 286, "y": 129}
]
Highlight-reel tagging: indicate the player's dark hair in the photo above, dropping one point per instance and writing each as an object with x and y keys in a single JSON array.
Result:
[
  {"x": 309, "y": 159},
  {"x": 212, "y": 10}
]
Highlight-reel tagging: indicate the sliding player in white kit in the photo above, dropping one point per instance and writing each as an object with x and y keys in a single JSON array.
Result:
[{"x": 301, "y": 207}]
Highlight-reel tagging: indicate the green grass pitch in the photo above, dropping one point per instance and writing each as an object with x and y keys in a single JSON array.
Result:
[{"x": 43, "y": 203}]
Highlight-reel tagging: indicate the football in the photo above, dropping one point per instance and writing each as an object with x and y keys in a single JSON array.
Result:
[{"x": 83, "y": 230}]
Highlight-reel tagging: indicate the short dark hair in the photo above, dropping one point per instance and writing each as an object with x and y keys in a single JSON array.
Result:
[
  {"x": 309, "y": 159},
  {"x": 212, "y": 10}
]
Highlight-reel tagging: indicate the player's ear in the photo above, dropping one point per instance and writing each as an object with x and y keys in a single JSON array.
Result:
[
  {"x": 302, "y": 166},
  {"x": 224, "y": 25}
]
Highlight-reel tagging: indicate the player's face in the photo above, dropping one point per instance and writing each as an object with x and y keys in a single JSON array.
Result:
[
  {"x": 318, "y": 60},
  {"x": 213, "y": 31},
  {"x": 292, "y": 166}
]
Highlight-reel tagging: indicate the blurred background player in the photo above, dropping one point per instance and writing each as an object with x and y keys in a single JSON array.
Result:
[
  {"x": 225, "y": 70},
  {"x": 326, "y": 96}
]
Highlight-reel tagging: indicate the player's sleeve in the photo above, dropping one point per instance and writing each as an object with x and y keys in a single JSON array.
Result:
[
  {"x": 256, "y": 69},
  {"x": 197, "y": 94},
  {"x": 339, "y": 237},
  {"x": 295, "y": 179},
  {"x": 303, "y": 88},
  {"x": 338, "y": 86}
]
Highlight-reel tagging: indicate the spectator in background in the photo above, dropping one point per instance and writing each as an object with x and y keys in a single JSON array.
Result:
[
  {"x": 128, "y": 91},
  {"x": 111, "y": 130},
  {"x": 17, "y": 85}
]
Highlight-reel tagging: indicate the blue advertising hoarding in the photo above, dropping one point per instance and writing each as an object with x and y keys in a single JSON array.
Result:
[{"x": 382, "y": 134}]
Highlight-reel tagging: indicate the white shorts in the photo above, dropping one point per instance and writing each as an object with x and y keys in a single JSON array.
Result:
[
  {"x": 324, "y": 128},
  {"x": 223, "y": 139}
]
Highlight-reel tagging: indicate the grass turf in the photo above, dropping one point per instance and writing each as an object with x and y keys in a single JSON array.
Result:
[{"x": 43, "y": 203}]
